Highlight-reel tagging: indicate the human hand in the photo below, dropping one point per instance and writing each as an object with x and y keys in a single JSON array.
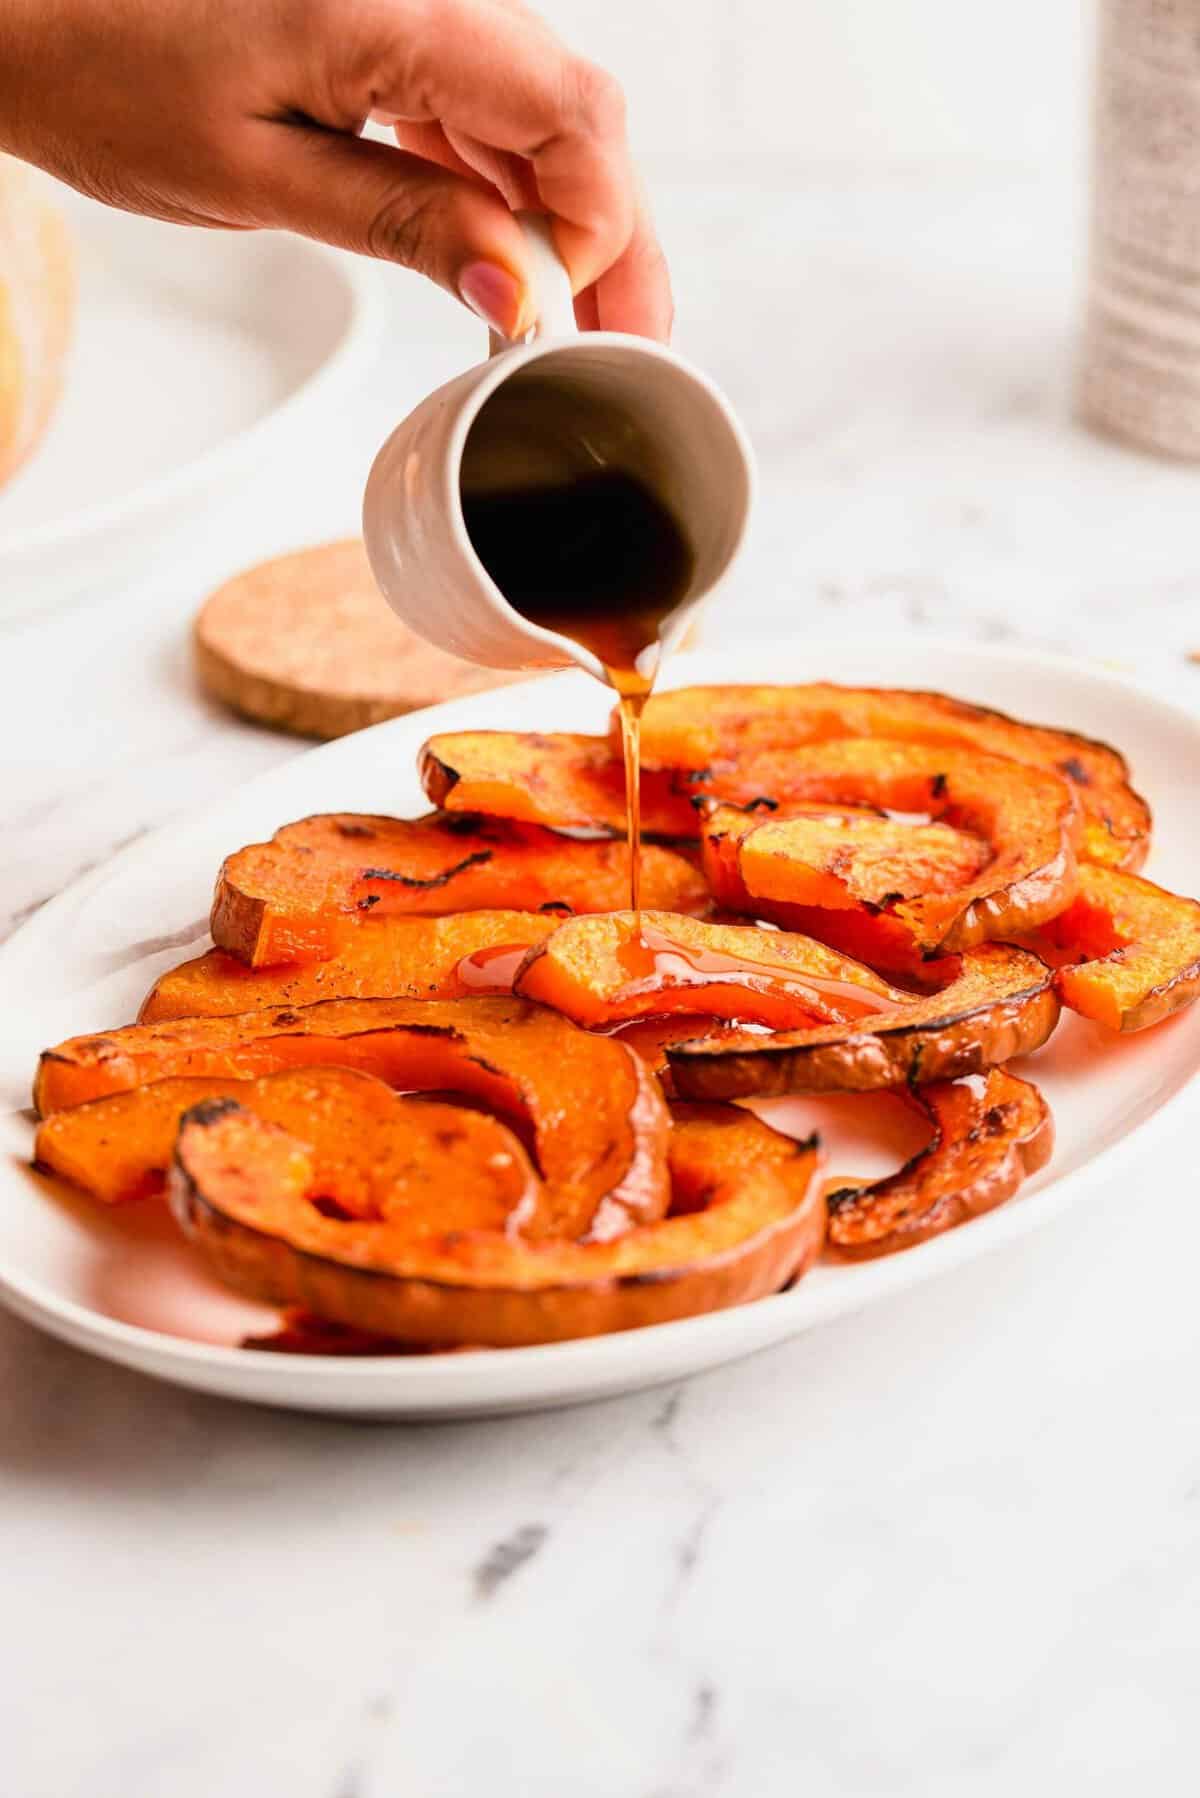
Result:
[{"x": 245, "y": 114}]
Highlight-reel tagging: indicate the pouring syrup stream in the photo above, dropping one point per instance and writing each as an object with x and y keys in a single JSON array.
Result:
[{"x": 599, "y": 558}]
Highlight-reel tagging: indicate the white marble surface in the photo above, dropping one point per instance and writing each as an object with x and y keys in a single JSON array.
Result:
[{"x": 953, "y": 1549}]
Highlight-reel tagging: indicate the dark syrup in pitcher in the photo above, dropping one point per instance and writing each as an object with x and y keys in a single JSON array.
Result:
[{"x": 597, "y": 557}]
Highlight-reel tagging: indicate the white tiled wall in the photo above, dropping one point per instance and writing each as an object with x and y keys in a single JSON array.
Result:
[{"x": 844, "y": 80}]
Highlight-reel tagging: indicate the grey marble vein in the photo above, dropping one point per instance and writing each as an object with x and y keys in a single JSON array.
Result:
[{"x": 506, "y": 1557}]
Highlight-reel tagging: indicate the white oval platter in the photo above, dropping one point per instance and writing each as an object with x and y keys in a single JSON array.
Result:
[{"x": 120, "y": 1284}]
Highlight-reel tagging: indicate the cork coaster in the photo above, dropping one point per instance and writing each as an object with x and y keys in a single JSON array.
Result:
[{"x": 306, "y": 643}]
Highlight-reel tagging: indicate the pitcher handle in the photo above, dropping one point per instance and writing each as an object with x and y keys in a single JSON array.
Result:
[{"x": 551, "y": 284}]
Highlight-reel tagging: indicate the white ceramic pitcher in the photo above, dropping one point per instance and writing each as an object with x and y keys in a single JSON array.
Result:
[{"x": 677, "y": 431}]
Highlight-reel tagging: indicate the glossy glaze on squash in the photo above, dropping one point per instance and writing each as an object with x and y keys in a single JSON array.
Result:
[
  {"x": 865, "y": 932},
  {"x": 990, "y": 1134},
  {"x": 594, "y": 1115},
  {"x": 1026, "y": 815},
  {"x": 295, "y": 898},
  {"x": 560, "y": 779},
  {"x": 748, "y": 1216},
  {"x": 119, "y": 1149},
  {"x": 841, "y": 860},
  {"x": 1002, "y": 1004},
  {"x": 1129, "y": 950},
  {"x": 715, "y": 727},
  {"x": 383, "y": 958},
  {"x": 611, "y": 969}
]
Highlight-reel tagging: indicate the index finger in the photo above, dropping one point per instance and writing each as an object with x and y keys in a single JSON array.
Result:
[{"x": 499, "y": 76}]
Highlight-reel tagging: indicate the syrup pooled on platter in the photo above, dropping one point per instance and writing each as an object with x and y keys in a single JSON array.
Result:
[{"x": 593, "y": 554}]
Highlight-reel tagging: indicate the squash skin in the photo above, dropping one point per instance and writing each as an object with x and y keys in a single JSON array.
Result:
[
  {"x": 1003, "y": 1003},
  {"x": 1028, "y": 816},
  {"x": 751, "y": 1217},
  {"x": 603, "y": 1155},
  {"x": 989, "y": 1136},
  {"x": 713, "y": 727},
  {"x": 561, "y": 779},
  {"x": 383, "y": 958},
  {"x": 778, "y": 980},
  {"x": 295, "y": 898},
  {"x": 1133, "y": 950}
]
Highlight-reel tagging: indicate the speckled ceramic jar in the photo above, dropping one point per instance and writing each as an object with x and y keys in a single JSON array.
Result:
[{"x": 1140, "y": 367}]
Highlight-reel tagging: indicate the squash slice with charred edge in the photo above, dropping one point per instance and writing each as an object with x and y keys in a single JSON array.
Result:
[
  {"x": 750, "y": 1217},
  {"x": 119, "y": 1149},
  {"x": 596, "y": 1117},
  {"x": 295, "y": 898},
  {"x": 1002, "y": 1004},
  {"x": 607, "y": 970},
  {"x": 843, "y": 860},
  {"x": 1133, "y": 950},
  {"x": 1027, "y": 815},
  {"x": 989, "y": 1135},
  {"x": 384, "y": 958},
  {"x": 564, "y": 780},
  {"x": 714, "y": 727},
  {"x": 858, "y": 929},
  {"x": 875, "y": 938}
]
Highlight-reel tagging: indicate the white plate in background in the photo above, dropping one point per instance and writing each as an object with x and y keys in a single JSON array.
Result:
[
  {"x": 121, "y": 1284},
  {"x": 197, "y": 355}
]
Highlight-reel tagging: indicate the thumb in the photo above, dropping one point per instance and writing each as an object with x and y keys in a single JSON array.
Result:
[{"x": 365, "y": 196}]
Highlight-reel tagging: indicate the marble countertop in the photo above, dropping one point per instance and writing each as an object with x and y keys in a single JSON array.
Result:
[{"x": 945, "y": 1550}]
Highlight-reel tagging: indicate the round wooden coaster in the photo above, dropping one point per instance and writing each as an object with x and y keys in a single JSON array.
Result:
[{"x": 306, "y": 643}]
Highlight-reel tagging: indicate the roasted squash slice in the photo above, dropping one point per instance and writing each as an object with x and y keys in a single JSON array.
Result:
[
  {"x": 595, "y": 1115},
  {"x": 714, "y": 727},
  {"x": 563, "y": 780},
  {"x": 606, "y": 970},
  {"x": 296, "y": 897},
  {"x": 878, "y": 939},
  {"x": 1027, "y": 815},
  {"x": 875, "y": 938},
  {"x": 1002, "y": 1004},
  {"x": 751, "y": 1217},
  {"x": 1130, "y": 950},
  {"x": 384, "y": 958},
  {"x": 844, "y": 859},
  {"x": 119, "y": 1148},
  {"x": 989, "y": 1135}
]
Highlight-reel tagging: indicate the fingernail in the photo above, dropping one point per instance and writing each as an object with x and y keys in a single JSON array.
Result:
[{"x": 494, "y": 294}]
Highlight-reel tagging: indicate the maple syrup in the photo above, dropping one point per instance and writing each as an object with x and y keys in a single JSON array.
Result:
[
  {"x": 491, "y": 970},
  {"x": 651, "y": 959},
  {"x": 578, "y": 542},
  {"x": 601, "y": 560}
]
